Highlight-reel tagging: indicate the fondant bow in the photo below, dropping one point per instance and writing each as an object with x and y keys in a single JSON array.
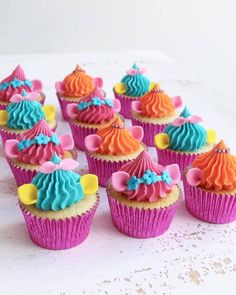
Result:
[
  {"x": 133, "y": 72},
  {"x": 24, "y": 96},
  {"x": 66, "y": 164},
  {"x": 181, "y": 121}
]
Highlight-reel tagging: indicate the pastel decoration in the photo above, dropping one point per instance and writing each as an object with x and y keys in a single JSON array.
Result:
[
  {"x": 27, "y": 194},
  {"x": 31, "y": 96},
  {"x": 72, "y": 110},
  {"x": 137, "y": 132},
  {"x": 92, "y": 142},
  {"x": 162, "y": 141},
  {"x": 136, "y": 106},
  {"x": 181, "y": 120},
  {"x": 3, "y": 117},
  {"x": 67, "y": 141},
  {"x": 119, "y": 180},
  {"x": 89, "y": 183},
  {"x": 211, "y": 136},
  {"x": 50, "y": 112},
  {"x": 120, "y": 88},
  {"x": 134, "y": 71},
  {"x": 37, "y": 85},
  {"x": 11, "y": 149},
  {"x": 194, "y": 176},
  {"x": 65, "y": 164},
  {"x": 116, "y": 105},
  {"x": 98, "y": 82},
  {"x": 177, "y": 101},
  {"x": 153, "y": 85},
  {"x": 60, "y": 86},
  {"x": 174, "y": 172}
]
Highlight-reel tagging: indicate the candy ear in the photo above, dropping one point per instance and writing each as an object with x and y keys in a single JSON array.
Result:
[
  {"x": 60, "y": 86},
  {"x": 92, "y": 142},
  {"x": 174, "y": 171},
  {"x": 3, "y": 117},
  {"x": 37, "y": 85},
  {"x": 72, "y": 110},
  {"x": 48, "y": 167},
  {"x": 211, "y": 136},
  {"x": 194, "y": 176},
  {"x": 67, "y": 142},
  {"x": 136, "y": 106},
  {"x": 153, "y": 85},
  {"x": 89, "y": 183},
  {"x": 50, "y": 112},
  {"x": 68, "y": 164},
  {"x": 27, "y": 194},
  {"x": 98, "y": 82},
  {"x": 120, "y": 88},
  {"x": 119, "y": 180},
  {"x": 116, "y": 105},
  {"x": 32, "y": 96},
  {"x": 10, "y": 148},
  {"x": 162, "y": 141},
  {"x": 137, "y": 132},
  {"x": 177, "y": 101}
]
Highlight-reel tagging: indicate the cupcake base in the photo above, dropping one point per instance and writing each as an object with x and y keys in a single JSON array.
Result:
[
  {"x": 210, "y": 206},
  {"x": 125, "y": 102}
]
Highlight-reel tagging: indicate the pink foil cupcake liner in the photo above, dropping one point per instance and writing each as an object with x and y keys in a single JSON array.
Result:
[
  {"x": 210, "y": 206},
  {"x": 150, "y": 130},
  {"x": 141, "y": 223},
  {"x": 63, "y": 104},
  {"x": 59, "y": 234},
  {"x": 125, "y": 102}
]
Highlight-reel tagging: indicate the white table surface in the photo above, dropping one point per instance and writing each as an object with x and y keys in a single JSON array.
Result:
[{"x": 193, "y": 257}]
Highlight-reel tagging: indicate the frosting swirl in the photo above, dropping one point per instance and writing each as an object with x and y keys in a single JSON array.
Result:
[
  {"x": 187, "y": 137},
  {"x": 78, "y": 83},
  {"x": 218, "y": 168}
]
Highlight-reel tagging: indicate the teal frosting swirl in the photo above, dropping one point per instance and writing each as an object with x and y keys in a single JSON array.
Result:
[
  {"x": 188, "y": 137},
  {"x": 24, "y": 115},
  {"x": 58, "y": 190},
  {"x": 136, "y": 85}
]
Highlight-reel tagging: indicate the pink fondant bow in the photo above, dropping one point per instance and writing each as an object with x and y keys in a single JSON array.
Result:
[
  {"x": 66, "y": 164},
  {"x": 28, "y": 96},
  {"x": 181, "y": 121},
  {"x": 133, "y": 72}
]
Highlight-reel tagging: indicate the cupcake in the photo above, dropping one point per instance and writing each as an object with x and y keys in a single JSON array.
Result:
[
  {"x": 15, "y": 84},
  {"x": 90, "y": 115},
  {"x": 34, "y": 147},
  {"x": 153, "y": 111},
  {"x": 75, "y": 86},
  {"x": 59, "y": 204},
  {"x": 143, "y": 197},
  {"x": 183, "y": 140},
  {"x": 23, "y": 112},
  {"x": 210, "y": 186},
  {"x": 111, "y": 147},
  {"x": 132, "y": 86}
]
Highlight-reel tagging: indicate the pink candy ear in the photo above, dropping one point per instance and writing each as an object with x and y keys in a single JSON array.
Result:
[
  {"x": 194, "y": 176},
  {"x": 72, "y": 110},
  {"x": 116, "y": 105},
  {"x": 174, "y": 171},
  {"x": 48, "y": 167},
  {"x": 98, "y": 82},
  {"x": 119, "y": 180},
  {"x": 137, "y": 132},
  {"x": 68, "y": 164},
  {"x": 67, "y": 142},
  {"x": 60, "y": 86},
  {"x": 10, "y": 148},
  {"x": 177, "y": 101},
  {"x": 37, "y": 85},
  {"x": 32, "y": 96},
  {"x": 92, "y": 142},
  {"x": 136, "y": 106}
]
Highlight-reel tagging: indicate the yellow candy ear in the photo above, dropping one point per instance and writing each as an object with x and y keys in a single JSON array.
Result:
[
  {"x": 162, "y": 141},
  {"x": 153, "y": 85},
  {"x": 3, "y": 117},
  {"x": 120, "y": 88},
  {"x": 89, "y": 183},
  {"x": 211, "y": 136},
  {"x": 27, "y": 194},
  {"x": 50, "y": 112}
]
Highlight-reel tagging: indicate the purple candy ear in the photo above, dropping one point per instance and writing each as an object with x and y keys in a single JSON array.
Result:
[
  {"x": 72, "y": 110},
  {"x": 60, "y": 86},
  {"x": 10, "y": 148},
  {"x": 177, "y": 101},
  {"x": 37, "y": 85},
  {"x": 116, "y": 105},
  {"x": 174, "y": 171},
  {"x": 92, "y": 142},
  {"x": 119, "y": 180},
  {"x": 136, "y": 106},
  {"x": 137, "y": 132},
  {"x": 98, "y": 82},
  {"x": 194, "y": 176},
  {"x": 67, "y": 142}
]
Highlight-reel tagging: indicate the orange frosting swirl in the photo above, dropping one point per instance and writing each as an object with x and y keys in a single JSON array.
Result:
[
  {"x": 117, "y": 140},
  {"x": 78, "y": 83},
  {"x": 156, "y": 104},
  {"x": 218, "y": 168}
]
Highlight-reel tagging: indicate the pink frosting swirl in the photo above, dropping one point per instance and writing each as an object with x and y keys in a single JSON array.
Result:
[
  {"x": 7, "y": 93},
  {"x": 38, "y": 154}
]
